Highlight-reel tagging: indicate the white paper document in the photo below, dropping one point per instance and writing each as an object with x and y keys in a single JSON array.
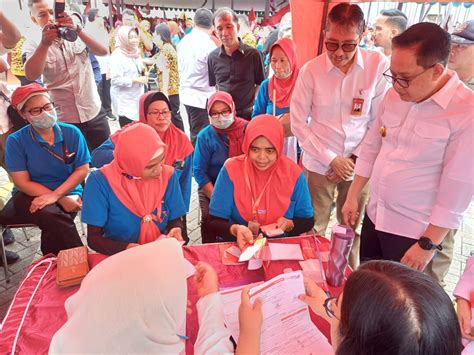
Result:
[
  {"x": 280, "y": 251},
  {"x": 287, "y": 327}
]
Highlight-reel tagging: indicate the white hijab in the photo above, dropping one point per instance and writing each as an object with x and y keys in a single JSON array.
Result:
[{"x": 132, "y": 302}]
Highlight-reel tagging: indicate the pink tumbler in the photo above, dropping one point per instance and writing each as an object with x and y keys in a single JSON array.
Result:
[{"x": 342, "y": 238}]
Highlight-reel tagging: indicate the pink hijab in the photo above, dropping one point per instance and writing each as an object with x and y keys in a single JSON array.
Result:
[
  {"x": 284, "y": 87},
  {"x": 140, "y": 196},
  {"x": 122, "y": 43},
  {"x": 283, "y": 174}
]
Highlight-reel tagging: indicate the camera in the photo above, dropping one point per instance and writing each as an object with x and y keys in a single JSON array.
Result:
[{"x": 65, "y": 33}]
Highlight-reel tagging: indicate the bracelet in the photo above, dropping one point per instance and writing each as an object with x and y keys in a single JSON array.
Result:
[{"x": 78, "y": 28}]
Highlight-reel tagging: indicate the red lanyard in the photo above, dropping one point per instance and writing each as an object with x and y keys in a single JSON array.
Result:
[
  {"x": 255, "y": 202},
  {"x": 66, "y": 158}
]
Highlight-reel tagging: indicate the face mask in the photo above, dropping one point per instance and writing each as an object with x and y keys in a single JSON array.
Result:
[
  {"x": 45, "y": 120},
  {"x": 223, "y": 122},
  {"x": 283, "y": 76}
]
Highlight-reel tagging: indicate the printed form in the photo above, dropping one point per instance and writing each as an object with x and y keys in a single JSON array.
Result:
[{"x": 287, "y": 327}]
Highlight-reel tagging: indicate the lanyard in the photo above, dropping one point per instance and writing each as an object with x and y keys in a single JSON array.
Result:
[
  {"x": 255, "y": 202},
  {"x": 66, "y": 158}
]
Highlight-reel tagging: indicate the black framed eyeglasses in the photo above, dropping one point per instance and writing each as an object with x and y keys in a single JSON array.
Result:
[
  {"x": 216, "y": 115},
  {"x": 404, "y": 83},
  {"x": 328, "y": 307},
  {"x": 164, "y": 113},
  {"x": 38, "y": 110},
  {"x": 346, "y": 47}
]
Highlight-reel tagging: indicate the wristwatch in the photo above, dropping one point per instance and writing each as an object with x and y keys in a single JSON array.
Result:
[
  {"x": 426, "y": 244},
  {"x": 78, "y": 28}
]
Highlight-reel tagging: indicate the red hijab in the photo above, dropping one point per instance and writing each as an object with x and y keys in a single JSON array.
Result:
[
  {"x": 178, "y": 144},
  {"x": 284, "y": 87},
  {"x": 235, "y": 131},
  {"x": 140, "y": 196},
  {"x": 282, "y": 175}
]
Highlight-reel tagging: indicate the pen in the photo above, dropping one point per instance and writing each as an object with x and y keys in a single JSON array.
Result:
[{"x": 323, "y": 274}]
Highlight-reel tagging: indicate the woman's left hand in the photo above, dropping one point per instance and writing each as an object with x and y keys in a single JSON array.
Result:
[
  {"x": 206, "y": 279},
  {"x": 176, "y": 234},
  {"x": 43, "y": 201},
  {"x": 314, "y": 297},
  {"x": 285, "y": 224}
]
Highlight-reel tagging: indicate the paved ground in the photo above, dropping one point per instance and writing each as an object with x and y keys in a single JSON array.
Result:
[{"x": 29, "y": 249}]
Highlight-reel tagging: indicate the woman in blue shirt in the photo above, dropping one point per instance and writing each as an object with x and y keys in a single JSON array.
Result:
[
  {"x": 221, "y": 140},
  {"x": 135, "y": 198},
  {"x": 262, "y": 190}
]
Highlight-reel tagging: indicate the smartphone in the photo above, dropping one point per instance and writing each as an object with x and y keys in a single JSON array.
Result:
[{"x": 59, "y": 8}]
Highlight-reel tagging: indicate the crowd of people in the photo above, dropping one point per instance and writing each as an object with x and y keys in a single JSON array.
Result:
[{"x": 271, "y": 146}]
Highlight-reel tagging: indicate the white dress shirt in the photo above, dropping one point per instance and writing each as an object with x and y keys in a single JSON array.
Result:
[
  {"x": 193, "y": 49},
  {"x": 421, "y": 172},
  {"x": 125, "y": 94},
  {"x": 321, "y": 106}
]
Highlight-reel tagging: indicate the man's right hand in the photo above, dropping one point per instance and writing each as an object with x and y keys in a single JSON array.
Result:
[
  {"x": 143, "y": 80},
  {"x": 350, "y": 211},
  {"x": 343, "y": 167},
  {"x": 50, "y": 33}
]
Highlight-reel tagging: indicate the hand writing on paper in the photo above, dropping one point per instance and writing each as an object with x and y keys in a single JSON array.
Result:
[
  {"x": 417, "y": 258},
  {"x": 285, "y": 224},
  {"x": 464, "y": 316},
  {"x": 350, "y": 213},
  {"x": 176, "y": 234},
  {"x": 243, "y": 234},
  {"x": 343, "y": 167},
  {"x": 314, "y": 297},
  {"x": 206, "y": 279},
  {"x": 250, "y": 315}
]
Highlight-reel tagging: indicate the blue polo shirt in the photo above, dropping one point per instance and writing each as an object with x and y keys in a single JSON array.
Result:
[
  {"x": 104, "y": 154},
  {"x": 263, "y": 104},
  {"x": 210, "y": 153},
  {"x": 102, "y": 208},
  {"x": 23, "y": 153},
  {"x": 223, "y": 204}
]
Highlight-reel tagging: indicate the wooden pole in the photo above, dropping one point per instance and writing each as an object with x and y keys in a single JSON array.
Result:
[
  {"x": 323, "y": 25},
  {"x": 267, "y": 9}
]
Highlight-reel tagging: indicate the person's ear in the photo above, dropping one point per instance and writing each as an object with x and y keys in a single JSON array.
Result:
[
  {"x": 438, "y": 70},
  {"x": 238, "y": 27},
  {"x": 33, "y": 19}
]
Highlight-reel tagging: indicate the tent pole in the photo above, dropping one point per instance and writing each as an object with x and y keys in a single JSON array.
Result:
[
  {"x": 232, "y": 4},
  {"x": 323, "y": 25},
  {"x": 267, "y": 9},
  {"x": 213, "y": 5},
  {"x": 111, "y": 15}
]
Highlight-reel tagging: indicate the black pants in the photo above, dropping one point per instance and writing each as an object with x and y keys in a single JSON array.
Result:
[
  {"x": 377, "y": 245},
  {"x": 58, "y": 230},
  {"x": 206, "y": 234},
  {"x": 23, "y": 80},
  {"x": 175, "y": 113},
  {"x": 96, "y": 131},
  {"x": 104, "y": 93},
  {"x": 124, "y": 120},
  {"x": 198, "y": 119},
  {"x": 245, "y": 113}
]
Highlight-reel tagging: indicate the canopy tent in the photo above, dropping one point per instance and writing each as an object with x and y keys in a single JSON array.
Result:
[{"x": 308, "y": 19}]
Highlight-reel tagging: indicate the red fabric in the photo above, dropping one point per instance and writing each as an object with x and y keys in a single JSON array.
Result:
[
  {"x": 283, "y": 174},
  {"x": 235, "y": 132},
  {"x": 284, "y": 87},
  {"x": 22, "y": 93},
  {"x": 275, "y": 19},
  {"x": 252, "y": 16},
  {"x": 47, "y": 314},
  {"x": 177, "y": 142},
  {"x": 140, "y": 196}
]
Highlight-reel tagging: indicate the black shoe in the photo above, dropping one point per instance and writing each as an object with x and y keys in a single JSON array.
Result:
[
  {"x": 8, "y": 237},
  {"x": 11, "y": 257}
]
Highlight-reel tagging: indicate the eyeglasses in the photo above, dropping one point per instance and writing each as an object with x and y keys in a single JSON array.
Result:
[
  {"x": 328, "y": 307},
  {"x": 38, "y": 110},
  {"x": 216, "y": 115},
  {"x": 404, "y": 83},
  {"x": 164, "y": 113},
  {"x": 346, "y": 47}
]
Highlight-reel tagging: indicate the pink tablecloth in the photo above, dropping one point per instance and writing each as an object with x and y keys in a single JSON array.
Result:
[{"x": 38, "y": 307}]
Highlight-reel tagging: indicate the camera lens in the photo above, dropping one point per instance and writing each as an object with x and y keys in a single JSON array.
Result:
[{"x": 67, "y": 34}]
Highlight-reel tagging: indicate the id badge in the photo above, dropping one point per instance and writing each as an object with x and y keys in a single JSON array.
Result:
[
  {"x": 254, "y": 227},
  {"x": 357, "y": 107}
]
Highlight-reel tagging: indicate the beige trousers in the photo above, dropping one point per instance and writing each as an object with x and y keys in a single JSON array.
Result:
[
  {"x": 438, "y": 267},
  {"x": 323, "y": 193}
]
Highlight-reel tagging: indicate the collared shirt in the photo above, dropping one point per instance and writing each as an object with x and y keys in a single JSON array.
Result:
[
  {"x": 322, "y": 102},
  {"x": 470, "y": 83},
  {"x": 69, "y": 78},
  {"x": 237, "y": 74},
  {"x": 422, "y": 171},
  {"x": 193, "y": 50}
]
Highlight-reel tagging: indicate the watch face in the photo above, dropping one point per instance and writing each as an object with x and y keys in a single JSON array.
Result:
[{"x": 426, "y": 244}]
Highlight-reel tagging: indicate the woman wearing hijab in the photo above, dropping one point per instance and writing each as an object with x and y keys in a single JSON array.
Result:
[
  {"x": 126, "y": 75},
  {"x": 128, "y": 304},
  {"x": 221, "y": 140},
  {"x": 135, "y": 198},
  {"x": 278, "y": 90},
  {"x": 155, "y": 111},
  {"x": 260, "y": 188}
]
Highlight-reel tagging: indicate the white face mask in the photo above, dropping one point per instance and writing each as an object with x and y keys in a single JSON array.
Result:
[
  {"x": 222, "y": 122},
  {"x": 45, "y": 120}
]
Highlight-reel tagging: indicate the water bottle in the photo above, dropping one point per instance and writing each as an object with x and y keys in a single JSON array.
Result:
[{"x": 342, "y": 238}]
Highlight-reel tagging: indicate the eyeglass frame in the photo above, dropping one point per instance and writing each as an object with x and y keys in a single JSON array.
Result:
[
  {"x": 341, "y": 46},
  {"x": 158, "y": 113},
  {"x": 327, "y": 305},
  {"x": 392, "y": 80},
  {"x": 53, "y": 106},
  {"x": 224, "y": 113}
]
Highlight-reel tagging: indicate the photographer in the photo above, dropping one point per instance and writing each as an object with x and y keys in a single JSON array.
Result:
[{"x": 66, "y": 70}]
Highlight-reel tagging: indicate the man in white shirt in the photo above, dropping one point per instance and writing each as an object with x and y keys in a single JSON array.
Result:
[
  {"x": 194, "y": 89},
  {"x": 390, "y": 23},
  {"x": 462, "y": 53},
  {"x": 333, "y": 104},
  {"x": 418, "y": 154}
]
